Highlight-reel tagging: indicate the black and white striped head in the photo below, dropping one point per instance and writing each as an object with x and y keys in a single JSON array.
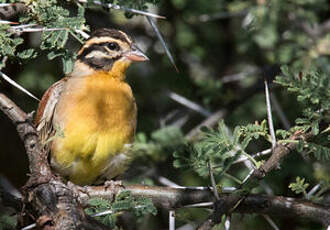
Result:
[{"x": 105, "y": 47}]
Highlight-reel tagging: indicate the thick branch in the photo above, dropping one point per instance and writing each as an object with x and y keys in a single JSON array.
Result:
[
  {"x": 279, "y": 153},
  {"x": 171, "y": 198},
  {"x": 165, "y": 197}
]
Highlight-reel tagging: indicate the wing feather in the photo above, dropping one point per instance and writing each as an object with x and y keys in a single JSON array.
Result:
[{"x": 46, "y": 109}]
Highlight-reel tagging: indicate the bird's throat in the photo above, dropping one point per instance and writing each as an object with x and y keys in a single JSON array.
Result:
[{"x": 118, "y": 69}]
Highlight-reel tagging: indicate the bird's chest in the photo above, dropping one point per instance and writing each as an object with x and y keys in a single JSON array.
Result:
[
  {"x": 97, "y": 116},
  {"x": 102, "y": 105}
]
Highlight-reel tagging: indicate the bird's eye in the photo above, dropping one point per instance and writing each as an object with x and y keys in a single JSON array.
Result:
[{"x": 113, "y": 46}]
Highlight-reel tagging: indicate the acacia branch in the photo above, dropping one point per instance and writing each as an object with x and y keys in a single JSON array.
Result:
[
  {"x": 279, "y": 153},
  {"x": 60, "y": 206},
  {"x": 173, "y": 198}
]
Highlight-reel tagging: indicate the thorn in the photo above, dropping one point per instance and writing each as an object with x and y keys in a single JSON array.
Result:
[
  {"x": 13, "y": 83},
  {"x": 269, "y": 115},
  {"x": 8, "y": 22},
  {"x": 162, "y": 41}
]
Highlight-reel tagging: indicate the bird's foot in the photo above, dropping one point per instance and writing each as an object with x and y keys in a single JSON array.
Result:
[
  {"x": 76, "y": 189},
  {"x": 113, "y": 184}
]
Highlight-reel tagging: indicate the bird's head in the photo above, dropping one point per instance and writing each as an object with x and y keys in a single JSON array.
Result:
[{"x": 109, "y": 50}]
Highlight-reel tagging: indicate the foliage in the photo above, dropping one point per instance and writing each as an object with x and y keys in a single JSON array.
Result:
[
  {"x": 7, "y": 221},
  {"x": 162, "y": 142},
  {"x": 219, "y": 148},
  {"x": 312, "y": 89},
  {"x": 123, "y": 202},
  {"x": 8, "y": 44},
  {"x": 223, "y": 50},
  {"x": 299, "y": 186},
  {"x": 8, "y": 217},
  {"x": 139, "y": 5}
]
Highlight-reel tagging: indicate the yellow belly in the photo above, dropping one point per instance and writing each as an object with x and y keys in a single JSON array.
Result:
[{"x": 97, "y": 115}]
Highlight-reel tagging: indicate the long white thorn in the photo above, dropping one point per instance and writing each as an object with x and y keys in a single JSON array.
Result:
[
  {"x": 227, "y": 222},
  {"x": 29, "y": 226},
  {"x": 269, "y": 115},
  {"x": 162, "y": 41},
  {"x": 271, "y": 222},
  {"x": 83, "y": 34},
  {"x": 7, "y": 22},
  {"x": 171, "y": 220},
  {"x": 189, "y": 104},
  {"x": 13, "y": 83}
]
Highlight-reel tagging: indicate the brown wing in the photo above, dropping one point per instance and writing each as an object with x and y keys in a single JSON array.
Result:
[{"x": 46, "y": 109}]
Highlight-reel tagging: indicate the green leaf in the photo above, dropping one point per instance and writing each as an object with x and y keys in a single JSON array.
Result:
[
  {"x": 300, "y": 146},
  {"x": 68, "y": 64},
  {"x": 27, "y": 54},
  {"x": 315, "y": 128},
  {"x": 52, "y": 54},
  {"x": 8, "y": 221},
  {"x": 299, "y": 186}
]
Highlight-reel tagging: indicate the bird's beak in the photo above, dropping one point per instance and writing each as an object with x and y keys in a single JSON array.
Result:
[{"x": 135, "y": 54}]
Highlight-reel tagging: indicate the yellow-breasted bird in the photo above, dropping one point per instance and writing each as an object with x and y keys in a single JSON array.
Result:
[{"x": 94, "y": 109}]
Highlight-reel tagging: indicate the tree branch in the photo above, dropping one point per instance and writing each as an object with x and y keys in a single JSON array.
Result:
[
  {"x": 53, "y": 203},
  {"x": 60, "y": 206},
  {"x": 173, "y": 198},
  {"x": 279, "y": 153}
]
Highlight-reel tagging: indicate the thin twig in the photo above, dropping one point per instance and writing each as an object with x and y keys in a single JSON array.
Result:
[
  {"x": 164, "y": 181},
  {"x": 238, "y": 181},
  {"x": 24, "y": 26},
  {"x": 248, "y": 176},
  {"x": 259, "y": 154},
  {"x": 180, "y": 122},
  {"x": 162, "y": 41},
  {"x": 209, "y": 122},
  {"x": 28, "y": 30},
  {"x": 214, "y": 185},
  {"x": 189, "y": 104},
  {"x": 200, "y": 205},
  {"x": 269, "y": 115},
  {"x": 271, "y": 222},
  {"x": 313, "y": 190},
  {"x": 122, "y": 8}
]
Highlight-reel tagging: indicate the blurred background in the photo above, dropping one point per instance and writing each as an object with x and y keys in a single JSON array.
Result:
[{"x": 223, "y": 50}]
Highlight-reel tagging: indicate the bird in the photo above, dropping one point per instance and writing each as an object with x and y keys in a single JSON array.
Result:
[{"x": 87, "y": 119}]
